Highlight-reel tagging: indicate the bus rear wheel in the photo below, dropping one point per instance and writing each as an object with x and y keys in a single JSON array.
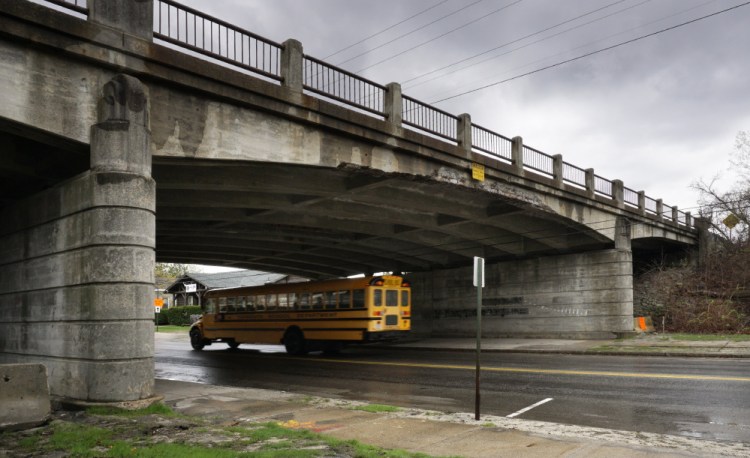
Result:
[
  {"x": 196, "y": 339},
  {"x": 294, "y": 342}
]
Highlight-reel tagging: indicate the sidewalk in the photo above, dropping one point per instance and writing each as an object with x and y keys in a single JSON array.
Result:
[
  {"x": 639, "y": 345},
  {"x": 433, "y": 433}
]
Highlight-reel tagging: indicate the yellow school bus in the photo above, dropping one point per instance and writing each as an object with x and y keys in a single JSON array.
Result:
[{"x": 307, "y": 316}]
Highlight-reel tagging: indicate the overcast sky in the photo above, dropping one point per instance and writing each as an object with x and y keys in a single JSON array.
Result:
[{"x": 658, "y": 113}]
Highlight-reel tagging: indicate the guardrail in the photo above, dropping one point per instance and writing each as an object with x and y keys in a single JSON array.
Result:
[
  {"x": 208, "y": 36},
  {"x": 198, "y": 32},
  {"x": 491, "y": 143},
  {"x": 343, "y": 86},
  {"x": 429, "y": 119}
]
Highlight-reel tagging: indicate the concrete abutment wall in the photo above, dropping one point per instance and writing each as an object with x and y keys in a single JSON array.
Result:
[
  {"x": 584, "y": 295},
  {"x": 76, "y": 264}
]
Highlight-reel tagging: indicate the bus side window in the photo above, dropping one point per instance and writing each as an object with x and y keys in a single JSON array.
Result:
[
  {"x": 211, "y": 305},
  {"x": 241, "y": 304},
  {"x": 345, "y": 299},
  {"x": 359, "y": 299},
  {"x": 330, "y": 300},
  {"x": 260, "y": 302},
  {"x": 404, "y": 298},
  {"x": 283, "y": 301},
  {"x": 271, "y": 302},
  {"x": 293, "y": 301},
  {"x": 317, "y": 301},
  {"x": 377, "y": 297},
  {"x": 250, "y": 305},
  {"x": 304, "y": 301},
  {"x": 222, "y": 304},
  {"x": 230, "y": 304}
]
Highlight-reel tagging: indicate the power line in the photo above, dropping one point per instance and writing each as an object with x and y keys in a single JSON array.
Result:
[
  {"x": 590, "y": 53},
  {"x": 663, "y": 18},
  {"x": 525, "y": 37},
  {"x": 438, "y": 37},
  {"x": 385, "y": 30},
  {"x": 411, "y": 32}
]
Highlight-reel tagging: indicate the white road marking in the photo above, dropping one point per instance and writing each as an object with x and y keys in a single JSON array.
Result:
[{"x": 526, "y": 409}]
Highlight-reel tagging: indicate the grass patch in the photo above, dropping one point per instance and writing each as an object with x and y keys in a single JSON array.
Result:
[
  {"x": 378, "y": 408},
  {"x": 710, "y": 337},
  {"x": 153, "y": 409},
  {"x": 78, "y": 440},
  {"x": 171, "y": 328},
  {"x": 118, "y": 435},
  {"x": 126, "y": 449}
]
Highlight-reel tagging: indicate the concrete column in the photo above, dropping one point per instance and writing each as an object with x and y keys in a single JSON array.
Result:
[
  {"x": 557, "y": 170},
  {"x": 463, "y": 133},
  {"x": 590, "y": 183},
  {"x": 292, "y": 57},
  {"x": 618, "y": 193},
  {"x": 134, "y": 17},
  {"x": 622, "y": 234},
  {"x": 675, "y": 215},
  {"x": 688, "y": 219},
  {"x": 393, "y": 105},
  {"x": 76, "y": 271},
  {"x": 642, "y": 202},
  {"x": 516, "y": 153}
]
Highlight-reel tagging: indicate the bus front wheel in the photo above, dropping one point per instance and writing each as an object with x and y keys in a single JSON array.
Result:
[
  {"x": 196, "y": 339},
  {"x": 294, "y": 342}
]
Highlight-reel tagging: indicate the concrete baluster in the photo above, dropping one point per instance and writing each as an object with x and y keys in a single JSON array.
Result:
[
  {"x": 590, "y": 183},
  {"x": 642, "y": 202},
  {"x": 132, "y": 17},
  {"x": 393, "y": 105},
  {"x": 517, "y": 155},
  {"x": 557, "y": 170},
  {"x": 660, "y": 209},
  {"x": 463, "y": 133},
  {"x": 618, "y": 193},
  {"x": 292, "y": 57}
]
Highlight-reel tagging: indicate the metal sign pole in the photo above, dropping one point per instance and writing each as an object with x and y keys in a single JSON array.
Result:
[{"x": 479, "y": 283}]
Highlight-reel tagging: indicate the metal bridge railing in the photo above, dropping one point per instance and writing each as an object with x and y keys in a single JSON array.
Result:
[
  {"x": 343, "y": 86},
  {"x": 212, "y": 37},
  {"x": 430, "y": 119},
  {"x": 536, "y": 160},
  {"x": 574, "y": 175},
  {"x": 489, "y": 142},
  {"x": 631, "y": 197},
  {"x": 602, "y": 186}
]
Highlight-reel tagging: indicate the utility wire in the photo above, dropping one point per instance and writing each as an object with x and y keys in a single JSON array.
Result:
[
  {"x": 663, "y": 18},
  {"x": 411, "y": 32},
  {"x": 538, "y": 70},
  {"x": 385, "y": 29},
  {"x": 523, "y": 38},
  {"x": 438, "y": 37}
]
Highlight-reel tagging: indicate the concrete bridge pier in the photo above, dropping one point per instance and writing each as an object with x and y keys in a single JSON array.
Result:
[{"x": 76, "y": 264}]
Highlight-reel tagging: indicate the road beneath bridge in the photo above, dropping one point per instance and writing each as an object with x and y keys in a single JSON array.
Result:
[{"x": 698, "y": 398}]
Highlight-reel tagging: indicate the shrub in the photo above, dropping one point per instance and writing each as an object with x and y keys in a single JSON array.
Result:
[{"x": 180, "y": 316}]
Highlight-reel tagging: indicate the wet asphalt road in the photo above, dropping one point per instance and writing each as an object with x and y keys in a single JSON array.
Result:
[{"x": 705, "y": 398}]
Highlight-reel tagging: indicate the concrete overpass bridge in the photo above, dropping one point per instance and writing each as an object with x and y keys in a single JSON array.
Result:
[{"x": 142, "y": 131}]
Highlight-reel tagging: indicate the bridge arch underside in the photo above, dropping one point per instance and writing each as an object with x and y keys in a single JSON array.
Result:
[{"x": 321, "y": 222}]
